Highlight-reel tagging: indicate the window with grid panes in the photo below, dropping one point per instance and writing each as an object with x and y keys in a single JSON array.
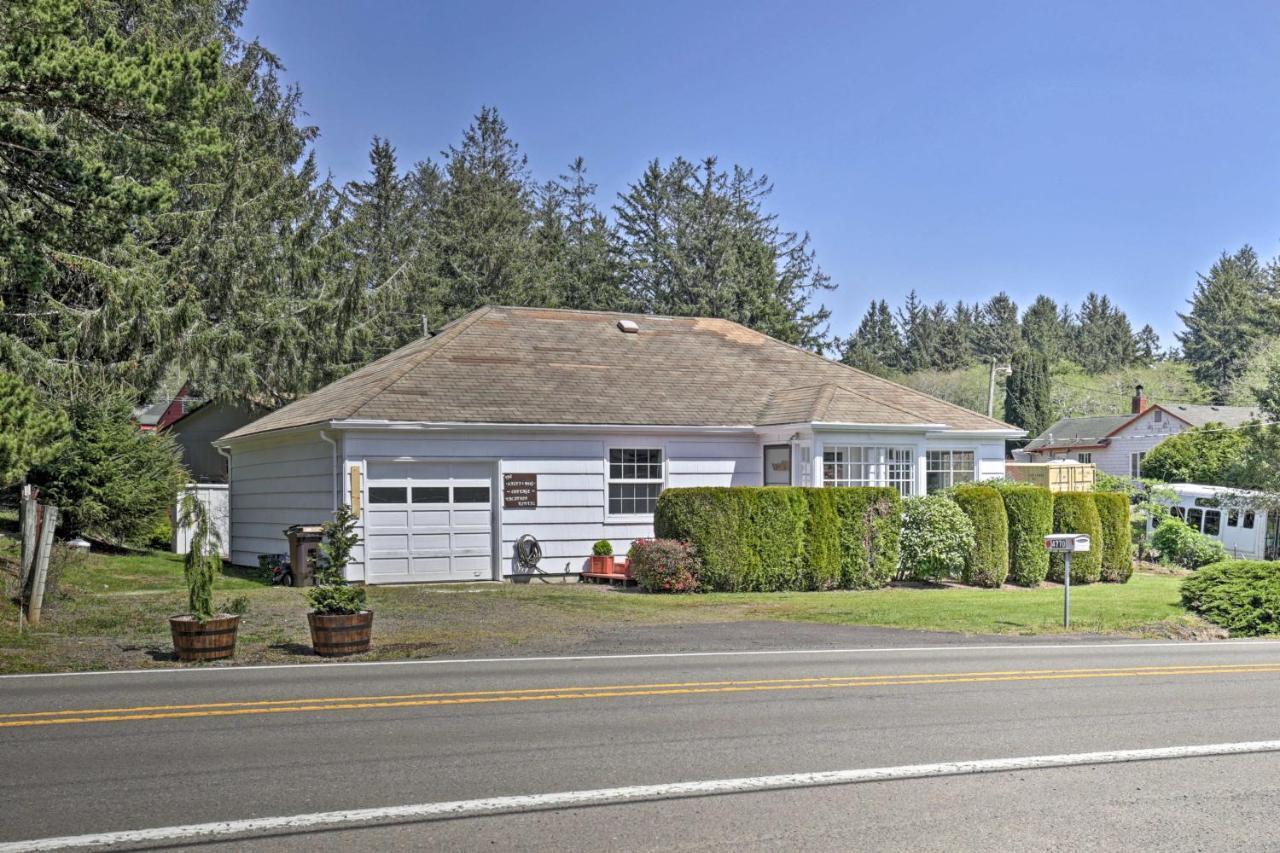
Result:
[
  {"x": 635, "y": 480},
  {"x": 945, "y": 468}
]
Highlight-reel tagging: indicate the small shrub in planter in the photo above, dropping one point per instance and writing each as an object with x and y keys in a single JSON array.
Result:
[
  {"x": 1242, "y": 596},
  {"x": 1029, "y": 511},
  {"x": 1117, "y": 536},
  {"x": 664, "y": 565},
  {"x": 1182, "y": 545},
  {"x": 202, "y": 634},
  {"x": 602, "y": 557},
  {"x": 1076, "y": 512},
  {"x": 937, "y": 538},
  {"x": 988, "y": 562},
  {"x": 341, "y": 624}
]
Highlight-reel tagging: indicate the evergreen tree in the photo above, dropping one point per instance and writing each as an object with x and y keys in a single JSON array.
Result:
[
  {"x": 1026, "y": 392},
  {"x": 30, "y": 434},
  {"x": 1223, "y": 323},
  {"x": 98, "y": 128},
  {"x": 576, "y": 244},
  {"x": 997, "y": 332},
  {"x": 1104, "y": 339},
  {"x": 876, "y": 345},
  {"x": 920, "y": 339},
  {"x": 697, "y": 240},
  {"x": 1147, "y": 346},
  {"x": 485, "y": 224},
  {"x": 963, "y": 333},
  {"x": 1043, "y": 328}
]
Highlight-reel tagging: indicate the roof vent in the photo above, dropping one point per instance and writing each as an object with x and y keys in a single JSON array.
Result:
[{"x": 628, "y": 327}]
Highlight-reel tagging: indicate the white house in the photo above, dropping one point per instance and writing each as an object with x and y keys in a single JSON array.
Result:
[
  {"x": 1118, "y": 443},
  {"x": 566, "y": 425}
]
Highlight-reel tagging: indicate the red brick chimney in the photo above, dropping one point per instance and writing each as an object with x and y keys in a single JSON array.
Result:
[{"x": 1140, "y": 402}]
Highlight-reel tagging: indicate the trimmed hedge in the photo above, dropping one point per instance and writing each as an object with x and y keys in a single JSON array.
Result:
[
  {"x": 1077, "y": 512},
  {"x": 764, "y": 539},
  {"x": 937, "y": 538},
  {"x": 1242, "y": 596},
  {"x": 988, "y": 562},
  {"x": 1117, "y": 536},
  {"x": 1029, "y": 512}
]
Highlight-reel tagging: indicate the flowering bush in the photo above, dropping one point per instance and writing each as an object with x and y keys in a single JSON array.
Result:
[
  {"x": 937, "y": 538},
  {"x": 664, "y": 565}
]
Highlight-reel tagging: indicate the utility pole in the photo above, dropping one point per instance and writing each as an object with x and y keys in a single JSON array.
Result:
[
  {"x": 1003, "y": 370},
  {"x": 426, "y": 327}
]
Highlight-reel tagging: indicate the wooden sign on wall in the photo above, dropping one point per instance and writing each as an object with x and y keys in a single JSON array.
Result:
[{"x": 520, "y": 491}]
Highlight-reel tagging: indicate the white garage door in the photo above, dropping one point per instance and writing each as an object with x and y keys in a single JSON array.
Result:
[{"x": 429, "y": 521}]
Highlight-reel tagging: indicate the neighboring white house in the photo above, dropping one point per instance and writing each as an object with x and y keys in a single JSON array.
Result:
[
  {"x": 567, "y": 425},
  {"x": 1117, "y": 444},
  {"x": 1239, "y": 519}
]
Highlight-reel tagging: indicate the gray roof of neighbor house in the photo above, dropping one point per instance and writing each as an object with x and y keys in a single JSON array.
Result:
[
  {"x": 546, "y": 366},
  {"x": 1069, "y": 433}
]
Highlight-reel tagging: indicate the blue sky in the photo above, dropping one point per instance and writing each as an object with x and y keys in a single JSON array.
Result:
[{"x": 955, "y": 148}]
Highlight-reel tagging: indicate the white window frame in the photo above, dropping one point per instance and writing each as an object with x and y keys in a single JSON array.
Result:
[
  {"x": 951, "y": 469},
  {"x": 875, "y": 466},
  {"x": 609, "y": 479},
  {"x": 1135, "y": 463}
]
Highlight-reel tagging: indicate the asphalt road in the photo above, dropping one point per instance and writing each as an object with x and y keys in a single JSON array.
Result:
[{"x": 90, "y": 754}]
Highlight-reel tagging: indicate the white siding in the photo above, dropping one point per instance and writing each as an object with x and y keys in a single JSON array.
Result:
[
  {"x": 277, "y": 482},
  {"x": 571, "y": 514},
  {"x": 1140, "y": 436}
]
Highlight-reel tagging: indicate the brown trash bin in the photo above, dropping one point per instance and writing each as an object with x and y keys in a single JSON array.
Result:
[{"x": 304, "y": 541}]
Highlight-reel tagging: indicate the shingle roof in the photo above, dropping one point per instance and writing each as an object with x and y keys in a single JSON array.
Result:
[
  {"x": 547, "y": 366},
  {"x": 1078, "y": 432},
  {"x": 1231, "y": 416}
]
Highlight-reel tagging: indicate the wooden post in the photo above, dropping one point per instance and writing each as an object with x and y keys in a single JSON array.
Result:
[
  {"x": 30, "y": 530},
  {"x": 41, "y": 573}
]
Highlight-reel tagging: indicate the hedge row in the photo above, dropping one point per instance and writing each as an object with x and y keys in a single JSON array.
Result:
[
  {"x": 1117, "y": 537},
  {"x": 1077, "y": 512},
  {"x": 1029, "y": 510},
  {"x": 765, "y": 539},
  {"x": 988, "y": 562}
]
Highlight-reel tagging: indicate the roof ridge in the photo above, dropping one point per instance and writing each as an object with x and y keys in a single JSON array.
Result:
[
  {"x": 822, "y": 402},
  {"x": 887, "y": 405},
  {"x": 434, "y": 345}
]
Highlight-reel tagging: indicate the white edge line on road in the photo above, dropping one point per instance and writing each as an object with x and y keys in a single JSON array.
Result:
[
  {"x": 1149, "y": 644},
  {"x": 497, "y": 805}
]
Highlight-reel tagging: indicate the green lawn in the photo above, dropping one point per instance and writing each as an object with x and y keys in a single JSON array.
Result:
[{"x": 110, "y": 611}]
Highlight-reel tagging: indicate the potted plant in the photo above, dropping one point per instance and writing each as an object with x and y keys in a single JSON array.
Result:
[
  {"x": 202, "y": 634},
  {"x": 602, "y": 558},
  {"x": 340, "y": 622}
]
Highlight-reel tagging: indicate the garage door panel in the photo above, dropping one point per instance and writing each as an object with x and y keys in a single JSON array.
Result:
[
  {"x": 433, "y": 518},
  {"x": 440, "y": 529},
  {"x": 472, "y": 541},
  {"x": 431, "y": 542}
]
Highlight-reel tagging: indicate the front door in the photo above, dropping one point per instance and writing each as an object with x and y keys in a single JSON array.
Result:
[{"x": 777, "y": 465}]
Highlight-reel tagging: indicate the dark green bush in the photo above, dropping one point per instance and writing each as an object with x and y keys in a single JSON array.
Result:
[
  {"x": 937, "y": 538},
  {"x": 756, "y": 539},
  {"x": 988, "y": 562},
  {"x": 1117, "y": 536},
  {"x": 1029, "y": 511},
  {"x": 1076, "y": 512},
  {"x": 1242, "y": 596},
  {"x": 1180, "y": 544}
]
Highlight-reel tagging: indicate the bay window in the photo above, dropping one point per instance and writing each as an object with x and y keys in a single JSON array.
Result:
[{"x": 851, "y": 465}]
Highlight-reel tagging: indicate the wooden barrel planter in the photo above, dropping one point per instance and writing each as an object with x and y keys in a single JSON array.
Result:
[
  {"x": 211, "y": 640},
  {"x": 333, "y": 635}
]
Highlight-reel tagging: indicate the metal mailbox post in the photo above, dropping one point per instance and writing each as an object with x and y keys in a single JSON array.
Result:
[{"x": 1066, "y": 544}]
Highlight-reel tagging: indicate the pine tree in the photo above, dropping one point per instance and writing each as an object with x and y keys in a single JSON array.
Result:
[
  {"x": 963, "y": 333},
  {"x": 920, "y": 338},
  {"x": 1026, "y": 392},
  {"x": 487, "y": 254},
  {"x": 30, "y": 433},
  {"x": 1104, "y": 340},
  {"x": 997, "y": 333},
  {"x": 1223, "y": 323},
  {"x": 876, "y": 346},
  {"x": 1147, "y": 346},
  {"x": 575, "y": 243},
  {"x": 1043, "y": 328}
]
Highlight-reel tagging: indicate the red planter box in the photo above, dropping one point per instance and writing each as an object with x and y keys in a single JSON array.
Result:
[{"x": 601, "y": 565}]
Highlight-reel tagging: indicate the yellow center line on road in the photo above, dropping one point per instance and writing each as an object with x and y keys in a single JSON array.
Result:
[
  {"x": 928, "y": 677},
  {"x": 49, "y": 718}
]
